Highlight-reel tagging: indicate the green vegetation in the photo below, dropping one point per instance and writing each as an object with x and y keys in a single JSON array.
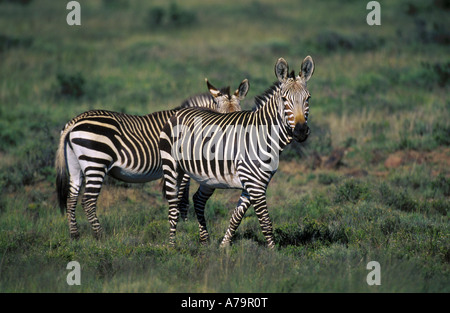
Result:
[{"x": 372, "y": 182}]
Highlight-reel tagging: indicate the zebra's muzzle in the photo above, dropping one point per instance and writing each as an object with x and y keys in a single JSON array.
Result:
[{"x": 301, "y": 132}]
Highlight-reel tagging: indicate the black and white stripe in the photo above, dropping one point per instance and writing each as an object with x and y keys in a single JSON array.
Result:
[
  {"x": 99, "y": 142},
  {"x": 237, "y": 150}
]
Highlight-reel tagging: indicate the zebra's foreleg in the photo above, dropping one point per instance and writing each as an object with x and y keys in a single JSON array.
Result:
[
  {"x": 200, "y": 198},
  {"x": 259, "y": 203},
  {"x": 236, "y": 218}
]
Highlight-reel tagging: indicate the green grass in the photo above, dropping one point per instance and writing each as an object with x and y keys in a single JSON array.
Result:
[{"x": 377, "y": 92}]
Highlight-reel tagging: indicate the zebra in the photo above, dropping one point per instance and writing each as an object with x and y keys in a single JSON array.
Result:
[
  {"x": 100, "y": 142},
  {"x": 238, "y": 150}
]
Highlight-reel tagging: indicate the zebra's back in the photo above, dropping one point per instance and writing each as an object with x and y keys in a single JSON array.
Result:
[
  {"x": 126, "y": 144},
  {"x": 208, "y": 146}
]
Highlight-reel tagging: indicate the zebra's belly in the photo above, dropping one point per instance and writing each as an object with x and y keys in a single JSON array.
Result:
[
  {"x": 222, "y": 182},
  {"x": 131, "y": 176}
]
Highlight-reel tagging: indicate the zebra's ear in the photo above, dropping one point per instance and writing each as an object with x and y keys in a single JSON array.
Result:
[
  {"x": 307, "y": 68},
  {"x": 213, "y": 90},
  {"x": 242, "y": 90},
  {"x": 282, "y": 70}
]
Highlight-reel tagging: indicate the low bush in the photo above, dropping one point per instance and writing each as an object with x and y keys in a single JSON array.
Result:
[
  {"x": 442, "y": 184},
  {"x": 77, "y": 86},
  {"x": 310, "y": 231},
  {"x": 328, "y": 178},
  {"x": 71, "y": 85},
  {"x": 331, "y": 41},
  {"x": 9, "y": 42},
  {"x": 441, "y": 134},
  {"x": 352, "y": 190},
  {"x": 397, "y": 199},
  {"x": 36, "y": 162},
  {"x": 173, "y": 16},
  {"x": 432, "y": 32}
]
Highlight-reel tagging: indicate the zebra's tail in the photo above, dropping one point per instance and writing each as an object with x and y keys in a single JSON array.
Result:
[{"x": 62, "y": 176}]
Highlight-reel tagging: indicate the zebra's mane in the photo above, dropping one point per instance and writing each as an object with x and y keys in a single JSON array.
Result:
[
  {"x": 201, "y": 100},
  {"x": 196, "y": 100},
  {"x": 261, "y": 100}
]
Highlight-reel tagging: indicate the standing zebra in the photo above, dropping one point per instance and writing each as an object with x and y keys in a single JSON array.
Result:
[
  {"x": 237, "y": 150},
  {"x": 97, "y": 142}
]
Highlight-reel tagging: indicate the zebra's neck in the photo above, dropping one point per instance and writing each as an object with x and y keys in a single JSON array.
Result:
[{"x": 270, "y": 104}]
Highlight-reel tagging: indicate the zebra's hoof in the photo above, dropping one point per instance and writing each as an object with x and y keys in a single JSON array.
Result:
[
  {"x": 75, "y": 235},
  {"x": 225, "y": 245},
  {"x": 99, "y": 234},
  {"x": 184, "y": 217}
]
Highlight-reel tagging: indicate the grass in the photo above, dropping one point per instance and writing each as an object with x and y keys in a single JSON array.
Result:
[{"x": 378, "y": 93}]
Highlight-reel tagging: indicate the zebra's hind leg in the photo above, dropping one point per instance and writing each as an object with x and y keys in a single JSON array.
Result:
[
  {"x": 236, "y": 218},
  {"x": 89, "y": 202},
  {"x": 75, "y": 181},
  {"x": 74, "y": 189},
  {"x": 173, "y": 219},
  {"x": 200, "y": 197},
  {"x": 183, "y": 196},
  {"x": 172, "y": 181}
]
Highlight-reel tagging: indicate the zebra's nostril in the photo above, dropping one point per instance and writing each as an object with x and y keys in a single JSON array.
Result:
[{"x": 301, "y": 132}]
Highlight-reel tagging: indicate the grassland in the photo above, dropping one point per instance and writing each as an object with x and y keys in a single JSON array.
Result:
[{"x": 372, "y": 183}]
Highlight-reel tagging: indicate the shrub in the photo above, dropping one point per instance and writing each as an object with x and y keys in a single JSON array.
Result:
[
  {"x": 10, "y": 135},
  {"x": 179, "y": 16},
  {"x": 432, "y": 32},
  {"x": 71, "y": 85},
  {"x": 441, "y": 134},
  {"x": 115, "y": 4},
  {"x": 34, "y": 161},
  {"x": 427, "y": 75},
  {"x": 328, "y": 178},
  {"x": 331, "y": 41},
  {"x": 310, "y": 231},
  {"x": 352, "y": 191},
  {"x": 399, "y": 200},
  {"x": 156, "y": 16},
  {"x": 76, "y": 86},
  {"x": 417, "y": 178},
  {"x": 21, "y": 2},
  {"x": 173, "y": 16},
  {"x": 8, "y": 42},
  {"x": 442, "y": 206},
  {"x": 437, "y": 73},
  {"x": 442, "y": 183}
]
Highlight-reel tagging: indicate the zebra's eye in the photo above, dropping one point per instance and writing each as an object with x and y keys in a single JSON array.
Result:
[
  {"x": 307, "y": 99},
  {"x": 284, "y": 99}
]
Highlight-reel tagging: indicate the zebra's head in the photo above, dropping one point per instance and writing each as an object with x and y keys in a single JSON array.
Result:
[
  {"x": 226, "y": 102},
  {"x": 295, "y": 97}
]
